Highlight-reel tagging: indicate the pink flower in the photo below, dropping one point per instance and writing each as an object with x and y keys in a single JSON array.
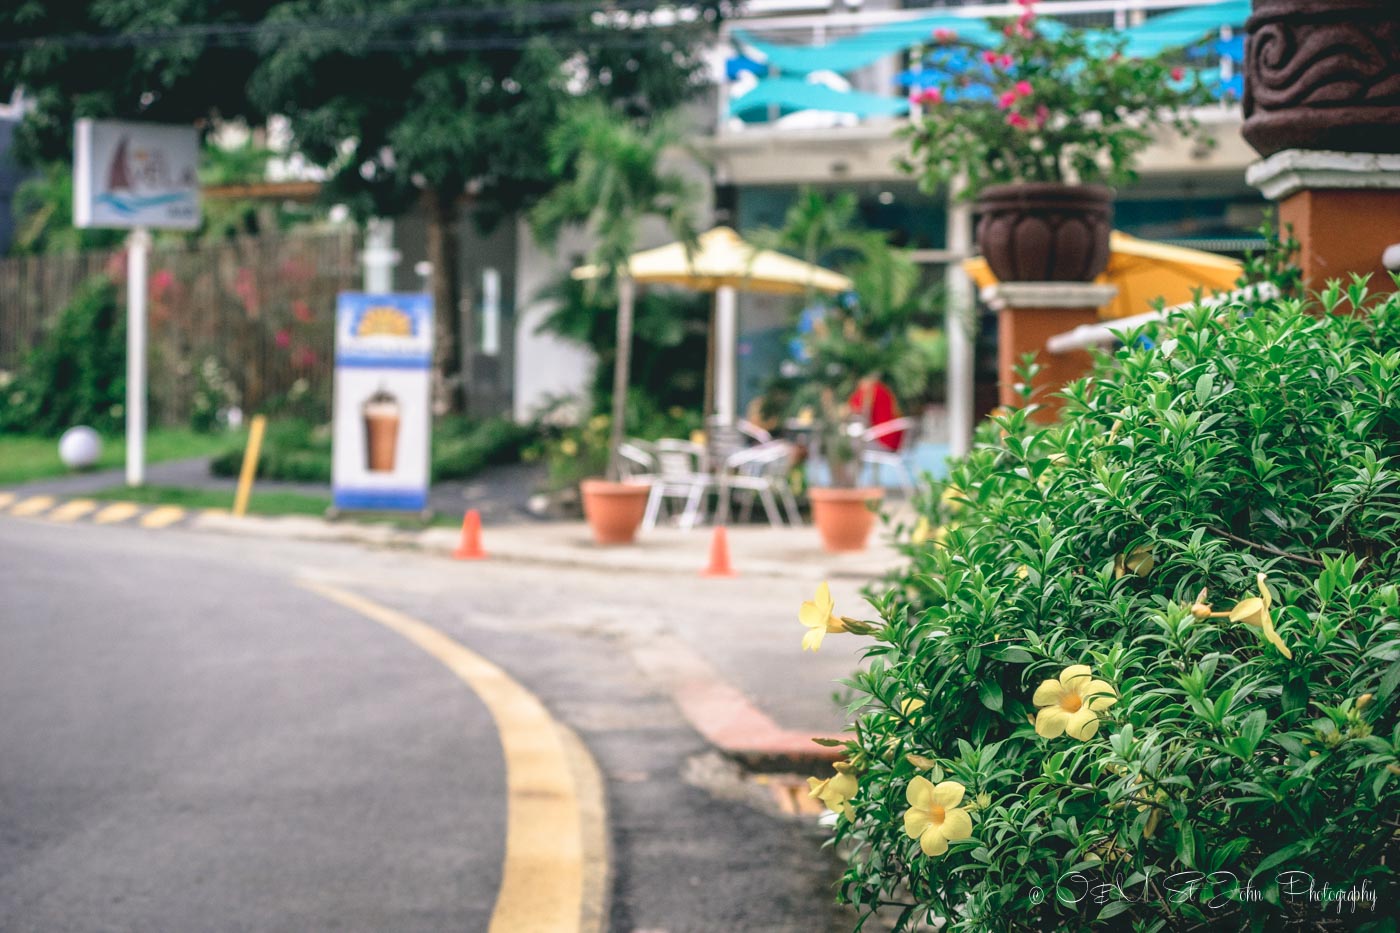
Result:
[
  {"x": 1042, "y": 115},
  {"x": 1178, "y": 73},
  {"x": 284, "y": 338},
  {"x": 1007, "y": 100},
  {"x": 1016, "y": 120},
  {"x": 1027, "y": 4},
  {"x": 161, "y": 281},
  {"x": 945, "y": 35},
  {"x": 1007, "y": 61},
  {"x": 302, "y": 311},
  {"x": 1024, "y": 89},
  {"x": 930, "y": 95},
  {"x": 990, "y": 57},
  {"x": 304, "y": 358},
  {"x": 1008, "y": 31}
]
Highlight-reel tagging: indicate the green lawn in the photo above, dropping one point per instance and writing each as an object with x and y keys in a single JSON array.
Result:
[
  {"x": 24, "y": 458},
  {"x": 272, "y": 502}
]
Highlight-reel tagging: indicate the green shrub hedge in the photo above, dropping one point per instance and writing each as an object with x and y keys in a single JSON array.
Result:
[
  {"x": 77, "y": 372},
  {"x": 300, "y": 451},
  {"x": 1152, "y": 655}
]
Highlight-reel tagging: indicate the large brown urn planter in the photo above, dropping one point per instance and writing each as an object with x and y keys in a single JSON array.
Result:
[
  {"x": 1045, "y": 232},
  {"x": 844, "y": 517},
  {"x": 614, "y": 510},
  {"x": 1322, "y": 74}
]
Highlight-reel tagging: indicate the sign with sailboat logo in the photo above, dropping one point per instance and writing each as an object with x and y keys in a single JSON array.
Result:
[{"x": 129, "y": 175}]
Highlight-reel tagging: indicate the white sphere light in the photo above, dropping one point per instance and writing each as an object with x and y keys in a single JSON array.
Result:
[{"x": 79, "y": 447}]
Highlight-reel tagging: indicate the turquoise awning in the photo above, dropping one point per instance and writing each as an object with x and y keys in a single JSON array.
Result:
[
  {"x": 789, "y": 95},
  {"x": 851, "y": 53}
]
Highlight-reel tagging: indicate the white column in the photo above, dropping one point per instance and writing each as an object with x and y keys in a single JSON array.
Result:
[
  {"x": 960, "y": 324},
  {"x": 726, "y": 353},
  {"x": 138, "y": 247},
  {"x": 379, "y": 256}
]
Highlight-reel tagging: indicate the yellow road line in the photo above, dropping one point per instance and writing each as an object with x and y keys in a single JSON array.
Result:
[
  {"x": 71, "y": 510},
  {"x": 5, "y": 499},
  {"x": 162, "y": 516},
  {"x": 33, "y": 505},
  {"x": 551, "y": 832},
  {"x": 116, "y": 512}
]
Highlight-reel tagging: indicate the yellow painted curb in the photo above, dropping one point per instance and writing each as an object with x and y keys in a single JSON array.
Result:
[
  {"x": 5, "y": 499},
  {"x": 554, "y": 877},
  {"x": 72, "y": 510},
  {"x": 116, "y": 512},
  {"x": 162, "y": 516},
  {"x": 33, "y": 505}
]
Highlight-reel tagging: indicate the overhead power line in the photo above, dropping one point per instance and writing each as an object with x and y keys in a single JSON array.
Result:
[{"x": 612, "y": 22}]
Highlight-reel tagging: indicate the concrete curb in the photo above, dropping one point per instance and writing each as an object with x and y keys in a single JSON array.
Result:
[{"x": 724, "y": 715}]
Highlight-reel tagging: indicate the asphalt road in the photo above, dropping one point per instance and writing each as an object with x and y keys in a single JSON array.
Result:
[{"x": 191, "y": 741}]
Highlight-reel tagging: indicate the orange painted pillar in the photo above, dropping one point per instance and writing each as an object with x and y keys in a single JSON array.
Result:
[
  {"x": 1029, "y": 314},
  {"x": 1343, "y": 207}
]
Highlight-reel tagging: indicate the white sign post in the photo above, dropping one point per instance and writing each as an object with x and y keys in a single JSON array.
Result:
[{"x": 135, "y": 176}]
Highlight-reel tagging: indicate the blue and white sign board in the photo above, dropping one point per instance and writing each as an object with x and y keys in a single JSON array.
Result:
[
  {"x": 382, "y": 401},
  {"x": 130, "y": 175}
]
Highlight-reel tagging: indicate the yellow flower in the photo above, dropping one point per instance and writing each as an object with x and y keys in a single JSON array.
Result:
[
  {"x": 1072, "y": 704},
  {"x": 568, "y": 447},
  {"x": 598, "y": 422},
  {"x": 1255, "y": 611},
  {"x": 835, "y": 792},
  {"x": 953, "y": 499},
  {"x": 934, "y": 817},
  {"x": 1139, "y": 562},
  {"x": 817, "y": 615},
  {"x": 1200, "y": 608},
  {"x": 910, "y": 706},
  {"x": 921, "y": 531}
]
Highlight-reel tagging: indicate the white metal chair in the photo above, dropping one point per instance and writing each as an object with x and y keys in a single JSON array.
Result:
[
  {"x": 753, "y": 432},
  {"x": 762, "y": 472},
  {"x": 636, "y": 459},
  {"x": 680, "y": 474},
  {"x": 874, "y": 454}
]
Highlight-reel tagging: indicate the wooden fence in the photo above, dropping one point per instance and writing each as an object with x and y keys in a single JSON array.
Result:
[{"x": 248, "y": 322}]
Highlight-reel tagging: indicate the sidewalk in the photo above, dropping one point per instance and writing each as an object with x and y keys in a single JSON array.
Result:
[{"x": 755, "y": 550}]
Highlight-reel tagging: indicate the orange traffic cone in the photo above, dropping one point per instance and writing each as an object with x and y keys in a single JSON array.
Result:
[
  {"x": 470, "y": 548},
  {"x": 719, "y": 556}
]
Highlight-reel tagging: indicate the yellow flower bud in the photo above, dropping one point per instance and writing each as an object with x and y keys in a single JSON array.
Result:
[{"x": 1363, "y": 701}]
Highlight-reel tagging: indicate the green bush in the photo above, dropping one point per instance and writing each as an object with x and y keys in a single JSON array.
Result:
[
  {"x": 77, "y": 373},
  {"x": 1157, "y": 643},
  {"x": 462, "y": 448},
  {"x": 298, "y": 450}
]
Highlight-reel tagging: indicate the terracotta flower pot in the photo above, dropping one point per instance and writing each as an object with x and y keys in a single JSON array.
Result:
[
  {"x": 614, "y": 510},
  {"x": 844, "y": 517},
  {"x": 1322, "y": 74},
  {"x": 1045, "y": 232}
]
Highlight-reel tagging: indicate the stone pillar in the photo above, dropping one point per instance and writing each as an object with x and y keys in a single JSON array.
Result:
[
  {"x": 1343, "y": 207},
  {"x": 1322, "y": 106},
  {"x": 1029, "y": 314}
]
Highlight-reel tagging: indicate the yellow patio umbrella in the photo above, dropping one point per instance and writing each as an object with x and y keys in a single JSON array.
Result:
[
  {"x": 1145, "y": 271},
  {"x": 723, "y": 263}
]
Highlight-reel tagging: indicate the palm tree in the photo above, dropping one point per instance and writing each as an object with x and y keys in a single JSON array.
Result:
[{"x": 612, "y": 181}]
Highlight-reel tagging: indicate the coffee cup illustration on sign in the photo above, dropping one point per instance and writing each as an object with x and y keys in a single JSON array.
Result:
[{"x": 381, "y": 411}]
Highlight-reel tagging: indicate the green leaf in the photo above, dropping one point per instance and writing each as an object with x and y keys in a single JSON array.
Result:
[{"x": 989, "y": 692}]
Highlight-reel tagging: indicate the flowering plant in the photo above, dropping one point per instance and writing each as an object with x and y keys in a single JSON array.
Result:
[
  {"x": 1048, "y": 104},
  {"x": 1157, "y": 642}
]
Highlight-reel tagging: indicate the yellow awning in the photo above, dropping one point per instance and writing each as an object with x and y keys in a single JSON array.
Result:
[
  {"x": 722, "y": 258},
  {"x": 1145, "y": 271}
]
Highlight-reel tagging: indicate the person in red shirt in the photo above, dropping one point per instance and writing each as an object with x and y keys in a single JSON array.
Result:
[{"x": 875, "y": 403}]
